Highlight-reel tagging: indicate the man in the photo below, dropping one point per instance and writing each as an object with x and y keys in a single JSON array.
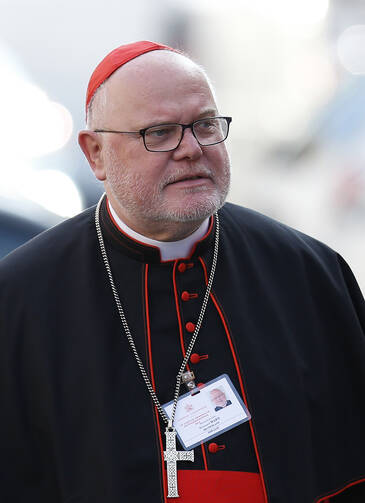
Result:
[
  {"x": 98, "y": 313},
  {"x": 219, "y": 399}
]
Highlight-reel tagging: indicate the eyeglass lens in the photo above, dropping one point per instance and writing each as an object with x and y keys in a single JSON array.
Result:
[{"x": 167, "y": 137}]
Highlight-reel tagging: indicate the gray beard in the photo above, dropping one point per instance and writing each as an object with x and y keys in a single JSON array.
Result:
[{"x": 143, "y": 202}]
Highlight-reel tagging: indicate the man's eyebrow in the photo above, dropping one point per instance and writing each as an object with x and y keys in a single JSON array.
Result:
[{"x": 211, "y": 112}]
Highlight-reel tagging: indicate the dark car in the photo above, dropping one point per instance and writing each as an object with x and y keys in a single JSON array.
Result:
[{"x": 21, "y": 221}]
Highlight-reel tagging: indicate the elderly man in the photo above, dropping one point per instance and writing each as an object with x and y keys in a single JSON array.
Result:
[
  {"x": 103, "y": 316},
  {"x": 219, "y": 399}
]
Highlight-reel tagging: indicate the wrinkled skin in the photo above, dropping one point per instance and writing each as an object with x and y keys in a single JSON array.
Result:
[{"x": 163, "y": 195}]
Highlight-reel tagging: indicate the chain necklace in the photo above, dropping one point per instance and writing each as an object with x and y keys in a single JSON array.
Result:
[{"x": 171, "y": 455}]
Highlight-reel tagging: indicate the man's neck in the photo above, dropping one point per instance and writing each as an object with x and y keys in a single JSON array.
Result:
[
  {"x": 155, "y": 229},
  {"x": 169, "y": 250}
]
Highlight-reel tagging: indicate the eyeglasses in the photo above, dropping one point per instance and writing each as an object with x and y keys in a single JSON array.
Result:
[{"x": 167, "y": 137}]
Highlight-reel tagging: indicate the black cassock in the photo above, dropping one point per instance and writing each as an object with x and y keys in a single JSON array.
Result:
[{"x": 285, "y": 321}]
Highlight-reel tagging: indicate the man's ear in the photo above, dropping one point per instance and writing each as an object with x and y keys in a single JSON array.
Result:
[{"x": 91, "y": 146}]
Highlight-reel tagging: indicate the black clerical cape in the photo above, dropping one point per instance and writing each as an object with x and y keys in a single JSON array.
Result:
[{"x": 285, "y": 321}]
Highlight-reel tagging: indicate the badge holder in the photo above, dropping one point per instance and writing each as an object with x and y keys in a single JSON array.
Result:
[{"x": 206, "y": 412}]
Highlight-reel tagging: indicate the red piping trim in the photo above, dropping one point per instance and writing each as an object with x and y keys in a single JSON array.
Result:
[
  {"x": 202, "y": 239},
  {"x": 148, "y": 327},
  {"x": 182, "y": 344},
  {"x": 156, "y": 247},
  {"x": 325, "y": 498},
  {"x": 239, "y": 378},
  {"x": 164, "y": 482},
  {"x": 204, "y": 457},
  {"x": 178, "y": 312}
]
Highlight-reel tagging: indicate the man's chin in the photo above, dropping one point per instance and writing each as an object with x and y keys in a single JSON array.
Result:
[{"x": 193, "y": 212}]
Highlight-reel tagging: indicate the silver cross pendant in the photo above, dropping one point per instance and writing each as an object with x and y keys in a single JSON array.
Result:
[{"x": 171, "y": 456}]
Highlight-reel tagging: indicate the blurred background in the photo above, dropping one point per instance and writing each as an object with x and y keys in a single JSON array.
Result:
[{"x": 290, "y": 72}]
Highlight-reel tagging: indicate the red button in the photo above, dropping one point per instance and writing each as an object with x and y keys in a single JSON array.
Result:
[
  {"x": 182, "y": 267},
  {"x": 185, "y": 296},
  {"x": 195, "y": 358},
  {"x": 213, "y": 447},
  {"x": 188, "y": 296},
  {"x": 190, "y": 327}
]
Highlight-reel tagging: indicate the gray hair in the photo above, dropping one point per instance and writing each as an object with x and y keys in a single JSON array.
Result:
[{"x": 96, "y": 106}]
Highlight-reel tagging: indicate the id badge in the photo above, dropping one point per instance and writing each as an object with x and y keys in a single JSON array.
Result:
[{"x": 213, "y": 409}]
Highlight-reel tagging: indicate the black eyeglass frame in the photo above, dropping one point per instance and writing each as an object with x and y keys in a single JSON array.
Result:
[{"x": 190, "y": 126}]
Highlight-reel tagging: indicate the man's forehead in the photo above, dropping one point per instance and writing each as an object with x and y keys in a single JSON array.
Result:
[
  {"x": 157, "y": 63},
  {"x": 154, "y": 88},
  {"x": 150, "y": 78}
]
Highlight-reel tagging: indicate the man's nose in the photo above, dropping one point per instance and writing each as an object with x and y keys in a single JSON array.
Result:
[{"x": 189, "y": 147}]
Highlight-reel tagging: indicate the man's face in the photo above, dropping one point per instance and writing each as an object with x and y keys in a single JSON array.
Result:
[
  {"x": 218, "y": 398},
  {"x": 153, "y": 188}
]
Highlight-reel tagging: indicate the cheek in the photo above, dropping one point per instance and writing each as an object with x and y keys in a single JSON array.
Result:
[
  {"x": 134, "y": 185},
  {"x": 145, "y": 182},
  {"x": 219, "y": 159}
]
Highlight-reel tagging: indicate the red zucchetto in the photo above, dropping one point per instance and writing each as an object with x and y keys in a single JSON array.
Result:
[{"x": 117, "y": 58}]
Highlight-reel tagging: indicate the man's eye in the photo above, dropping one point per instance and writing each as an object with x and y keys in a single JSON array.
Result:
[
  {"x": 161, "y": 132},
  {"x": 207, "y": 124},
  {"x": 206, "y": 127},
  {"x": 158, "y": 132}
]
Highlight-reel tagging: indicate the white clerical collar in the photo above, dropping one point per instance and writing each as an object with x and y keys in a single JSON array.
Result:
[{"x": 169, "y": 250}]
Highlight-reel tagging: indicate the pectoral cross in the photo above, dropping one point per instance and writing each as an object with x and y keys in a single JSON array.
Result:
[{"x": 171, "y": 456}]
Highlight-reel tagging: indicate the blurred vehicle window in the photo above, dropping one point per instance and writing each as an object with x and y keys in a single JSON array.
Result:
[
  {"x": 14, "y": 231},
  {"x": 20, "y": 221}
]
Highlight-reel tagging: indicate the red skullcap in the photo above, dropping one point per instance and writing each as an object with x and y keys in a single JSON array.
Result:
[{"x": 116, "y": 59}]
